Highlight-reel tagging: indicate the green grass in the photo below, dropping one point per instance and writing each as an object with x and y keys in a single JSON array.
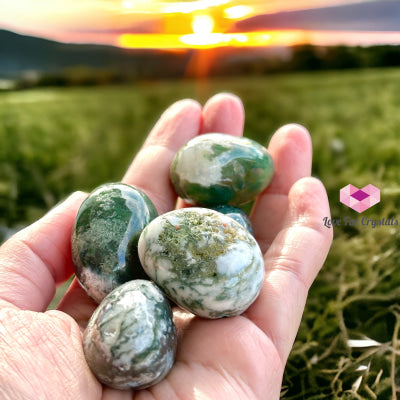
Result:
[{"x": 56, "y": 141}]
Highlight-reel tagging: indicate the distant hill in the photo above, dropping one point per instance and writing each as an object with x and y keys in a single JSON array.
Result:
[
  {"x": 54, "y": 63},
  {"x": 19, "y": 54}
]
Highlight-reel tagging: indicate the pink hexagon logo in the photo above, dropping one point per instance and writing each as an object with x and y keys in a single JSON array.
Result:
[{"x": 360, "y": 199}]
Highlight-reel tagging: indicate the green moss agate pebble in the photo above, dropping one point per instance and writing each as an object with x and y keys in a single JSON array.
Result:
[
  {"x": 130, "y": 341},
  {"x": 203, "y": 260},
  {"x": 237, "y": 214},
  {"x": 105, "y": 236},
  {"x": 215, "y": 169}
]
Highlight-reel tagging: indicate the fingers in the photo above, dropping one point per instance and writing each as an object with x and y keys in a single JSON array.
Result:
[
  {"x": 291, "y": 150},
  {"x": 223, "y": 113},
  {"x": 292, "y": 263},
  {"x": 150, "y": 169},
  {"x": 38, "y": 258}
]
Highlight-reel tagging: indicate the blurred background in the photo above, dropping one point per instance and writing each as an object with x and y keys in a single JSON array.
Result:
[{"x": 82, "y": 83}]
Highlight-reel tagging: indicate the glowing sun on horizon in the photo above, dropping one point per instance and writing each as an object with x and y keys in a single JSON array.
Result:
[
  {"x": 127, "y": 4},
  {"x": 203, "y": 30},
  {"x": 202, "y": 24}
]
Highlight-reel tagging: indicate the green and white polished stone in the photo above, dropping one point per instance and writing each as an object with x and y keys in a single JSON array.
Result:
[
  {"x": 105, "y": 236},
  {"x": 203, "y": 260},
  {"x": 130, "y": 341},
  {"x": 237, "y": 214},
  {"x": 215, "y": 169}
]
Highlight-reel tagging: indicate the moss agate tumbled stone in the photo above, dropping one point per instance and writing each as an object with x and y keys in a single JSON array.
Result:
[
  {"x": 130, "y": 341},
  {"x": 237, "y": 214},
  {"x": 105, "y": 236},
  {"x": 203, "y": 260},
  {"x": 215, "y": 168}
]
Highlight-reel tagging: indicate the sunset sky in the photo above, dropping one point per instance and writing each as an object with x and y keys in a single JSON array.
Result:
[{"x": 205, "y": 23}]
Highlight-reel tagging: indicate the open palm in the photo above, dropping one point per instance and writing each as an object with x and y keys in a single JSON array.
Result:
[{"x": 242, "y": 357}]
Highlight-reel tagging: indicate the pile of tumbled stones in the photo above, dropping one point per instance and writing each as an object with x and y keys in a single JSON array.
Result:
[{"x": 202, "y": 258}]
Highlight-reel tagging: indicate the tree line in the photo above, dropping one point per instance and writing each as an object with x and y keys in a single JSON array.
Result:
[{"x": 172, "y": 66}]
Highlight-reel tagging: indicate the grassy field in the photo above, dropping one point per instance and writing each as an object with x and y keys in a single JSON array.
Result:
[{"x": 57, "y": 141}]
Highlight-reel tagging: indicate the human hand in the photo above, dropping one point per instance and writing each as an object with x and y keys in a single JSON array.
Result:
[{"x": 241, "y": 357}]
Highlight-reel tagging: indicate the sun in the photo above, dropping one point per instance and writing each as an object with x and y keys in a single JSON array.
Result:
[
  {"x": 127, "y": 4},
  {"x": 202, "y": 24}
]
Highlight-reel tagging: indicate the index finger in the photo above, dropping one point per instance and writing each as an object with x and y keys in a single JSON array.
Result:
[
  {"x": 149, "y": 170},
  {"x": 291, "y": 150}
]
